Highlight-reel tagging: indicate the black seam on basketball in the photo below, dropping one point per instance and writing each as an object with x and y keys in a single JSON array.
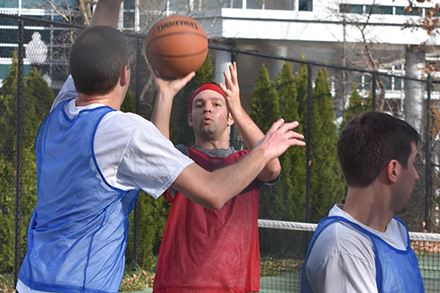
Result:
[
  {"x": 176, "y": 33},
  {"x": 175, "y": 56}
]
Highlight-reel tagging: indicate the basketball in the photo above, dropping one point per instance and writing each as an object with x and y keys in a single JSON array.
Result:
[{"x": 176, "y": 45}]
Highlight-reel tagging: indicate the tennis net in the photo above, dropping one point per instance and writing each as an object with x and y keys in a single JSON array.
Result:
[{"x": 283, "y": 246}]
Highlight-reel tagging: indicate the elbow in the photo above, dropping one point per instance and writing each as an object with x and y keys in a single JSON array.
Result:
[
  {"x": 213, "y": 202},
  {"x": 268, "y": 175}
]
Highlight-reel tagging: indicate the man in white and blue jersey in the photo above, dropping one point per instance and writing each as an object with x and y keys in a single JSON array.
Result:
[{"x": 362, "y": 246}]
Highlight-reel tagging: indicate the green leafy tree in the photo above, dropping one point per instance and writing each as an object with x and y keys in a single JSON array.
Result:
[
  {"x": 265, "y": 104},
  {"x": 129, "y": 103},
  {"x": 264, "y": 111},
  {"x": 8, "y": 105},
  {"x": 327, "y": 186},
  {"x": 153, "y": 214},
  {"x": 301, "y": 89},
  {"x": 293, "y": 161},
  {"x": 180, "y": 131},
  {"x": 356, "y": 106}
]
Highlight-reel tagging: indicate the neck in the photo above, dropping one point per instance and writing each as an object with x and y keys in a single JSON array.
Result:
[
  {"x": 369, "y": 206},
  {"x": 214, "y": 141},
  {"x": 212, "y": 144},
  {"x": 107, "y": 100}
]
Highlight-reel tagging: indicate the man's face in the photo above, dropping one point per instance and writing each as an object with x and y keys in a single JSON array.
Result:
[
  {"x": 406, "y": 181},
  {"x": 209, "y": 116}
]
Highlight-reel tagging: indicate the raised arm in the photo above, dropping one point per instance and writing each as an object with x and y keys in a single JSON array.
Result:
[
  {"x": 166, "y": 90},
  {"x": 213, "y": 189},
  {"x": 249, "y": 131},
  {"x": 106, "y": 13}
]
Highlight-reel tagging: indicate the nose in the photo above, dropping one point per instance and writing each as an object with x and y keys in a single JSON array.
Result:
[
  {"x": 417, "y": 176},
  {"x": 207, "y": 108}
]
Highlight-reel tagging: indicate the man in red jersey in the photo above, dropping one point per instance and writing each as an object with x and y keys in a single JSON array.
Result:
[{"x": 212, "y": 250}]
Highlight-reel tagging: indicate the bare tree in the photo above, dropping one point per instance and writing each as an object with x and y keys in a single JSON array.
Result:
[
  {"x": 81, "y": 13},
  {"x": 429, "y": 21},
  {"x": 365, "y": 52}
]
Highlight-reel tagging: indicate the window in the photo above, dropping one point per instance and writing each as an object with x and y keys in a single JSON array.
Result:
[
  {"x": 8, "y": 3},
  {"x": 375, "y": 9},
  {"x": 348, "y": 8},
  {"x": 279, "y": 4},
  {"x": 305, "y": 5},
  {"x": 404, "y": 11},
  {"x": 237, "y": 3},
  {"x": 254, "y": 4}
]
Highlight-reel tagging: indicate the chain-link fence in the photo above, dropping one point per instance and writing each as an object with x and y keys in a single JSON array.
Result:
[{"x": 33, "y": 67}]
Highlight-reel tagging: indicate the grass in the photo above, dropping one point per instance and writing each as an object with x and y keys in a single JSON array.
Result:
[
  {"x": 7, "y": 283},
  {"x": 136, "y": 279},
  {"x": 275, "y": 267}
]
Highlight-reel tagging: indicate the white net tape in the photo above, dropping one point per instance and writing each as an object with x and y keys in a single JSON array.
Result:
[{"x": 284, "y": 225}]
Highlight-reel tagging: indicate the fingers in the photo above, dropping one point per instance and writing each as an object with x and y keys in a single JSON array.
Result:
[
  {"x": 187, "y": 78},
  {"x": 294, "y": 139},
  {"x": 224, "y": 89},
  {"x": 233, "y": 71},
  {"x": 228, "y": 82},
  {"x": 285, "y": 129}
]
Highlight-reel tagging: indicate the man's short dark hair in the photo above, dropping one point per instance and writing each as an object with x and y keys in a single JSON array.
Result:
[
  {"x": 369, "y": 142},
  {"x": 97, "y": 58}
]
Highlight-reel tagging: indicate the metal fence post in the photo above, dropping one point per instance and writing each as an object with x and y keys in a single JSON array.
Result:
[
  {"x": 373, "y": 92},
  {"x": 308, "y": 140},
  {"x": 308, "y": 153},
  {"x": 19, "y": 143},
  {"x": 428, "y": 157}
]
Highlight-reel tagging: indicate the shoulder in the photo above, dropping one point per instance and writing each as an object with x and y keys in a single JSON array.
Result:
[
  {"x": 129, "y": 131},
  {"x": 342, "y": 260},
  {"x": 342, "y": 240},
  {"x": 125, "y": 122}
]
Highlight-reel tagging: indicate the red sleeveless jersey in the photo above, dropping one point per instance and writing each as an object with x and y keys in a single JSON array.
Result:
[{"x": 205, "y": 250}]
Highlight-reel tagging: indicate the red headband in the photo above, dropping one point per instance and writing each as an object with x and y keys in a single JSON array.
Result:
[{"x": 206, "y": 86}]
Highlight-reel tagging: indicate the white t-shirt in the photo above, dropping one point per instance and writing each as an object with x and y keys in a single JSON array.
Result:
[
  {"x": 130, "y": 151},
  {"x": 343, "y": 260}
]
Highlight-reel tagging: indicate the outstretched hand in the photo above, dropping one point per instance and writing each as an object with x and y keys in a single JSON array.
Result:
[
  {"x": 279, "y": 138},
  {"x": 170, "y": 87},
  {"x": 231, "y": 88}
]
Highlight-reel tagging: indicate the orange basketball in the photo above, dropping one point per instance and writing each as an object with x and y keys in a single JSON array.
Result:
[{"x": 176, "y": 45}]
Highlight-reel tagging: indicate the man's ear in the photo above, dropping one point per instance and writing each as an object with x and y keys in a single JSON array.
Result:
[
  {"x": 123, "y": 79},
  {"x": 189, "y": 120},
  {"x": 392, "y": 171},
  {"x": 230, "y": 120}
]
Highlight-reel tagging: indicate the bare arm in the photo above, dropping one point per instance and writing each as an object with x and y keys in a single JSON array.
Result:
[
  {"x": 106, "y": 13},
  {"x": 166, "y": 90},
  {"x": 249, "y": 131},
  {"x": 214, "y": 189}
]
